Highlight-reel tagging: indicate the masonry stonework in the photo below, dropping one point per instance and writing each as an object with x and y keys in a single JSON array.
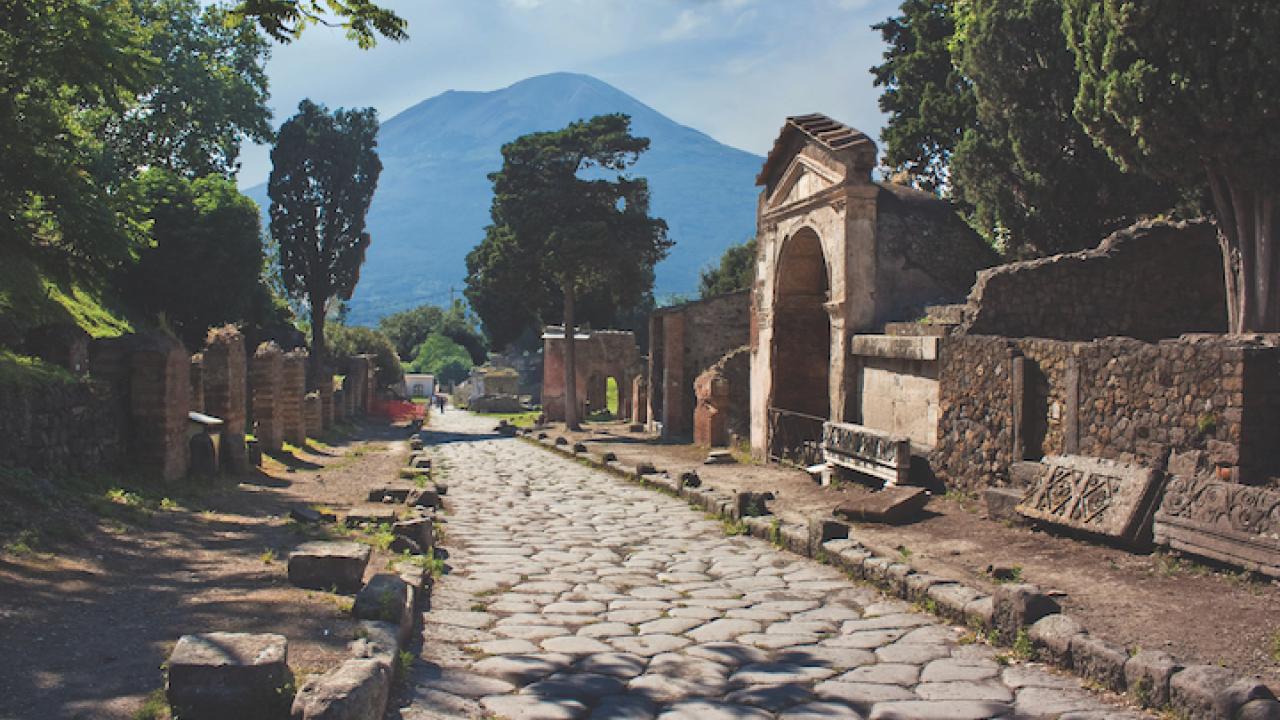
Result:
[
  {"x": 265, "y": 379},
  {"x": 686, "y": 340},
  {"x": 225, "y": 389},
  {"x": 598, "y": 356},
  {"x": 723, "y": 399},
  {"x": 159, "y": 400},
  {"x": 293, "y": 391}
]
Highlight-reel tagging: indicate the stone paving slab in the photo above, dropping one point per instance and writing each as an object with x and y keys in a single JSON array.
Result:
[{"x": 599, "y": 598}]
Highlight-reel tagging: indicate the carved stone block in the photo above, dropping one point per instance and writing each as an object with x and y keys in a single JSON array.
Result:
[
  {"x": 867, "y": 451},
  {"x": 1232, "y": 523},
  {"x": 1091, "y": 494}
]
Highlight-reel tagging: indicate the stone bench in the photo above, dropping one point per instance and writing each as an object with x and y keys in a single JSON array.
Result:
[
  {"x": 214, "y": 676},
  {"x": 867, "y": 451}
]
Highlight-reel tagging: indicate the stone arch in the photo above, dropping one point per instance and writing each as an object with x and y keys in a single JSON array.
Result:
[{"x": 800, "y": 351}]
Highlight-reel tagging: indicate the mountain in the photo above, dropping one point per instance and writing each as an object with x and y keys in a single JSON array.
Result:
[{"x": 432, "y": 202}]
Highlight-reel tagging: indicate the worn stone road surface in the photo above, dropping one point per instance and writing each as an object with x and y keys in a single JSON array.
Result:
[{"x": 574, "y": 594}]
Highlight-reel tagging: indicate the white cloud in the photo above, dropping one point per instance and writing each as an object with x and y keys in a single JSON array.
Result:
[{"x": 686, "y": 25}]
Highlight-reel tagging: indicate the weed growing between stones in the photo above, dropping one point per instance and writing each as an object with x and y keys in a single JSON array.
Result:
[
  {"x": 388, "y": 608},
  {"x": 268, "y": 556},
  {"x": 775, "y": 532},
  {"x": 905, "y": 552},
  {"x": 155, "y": 707},
  {"x": 1275, "y": 646},
  {"x": 1022, "y": 646},
  {"x": 404, "y": 660},
  {"x": 733, "y": 528}
]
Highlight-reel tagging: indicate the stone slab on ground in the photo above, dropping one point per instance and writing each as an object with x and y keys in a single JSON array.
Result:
[
  {"x": 386, "y": 598},
  {"x": 324, "y": 565},
  {"x": 1204, "y": 517},
  {"x": 420, "y": 529},
  {"x": 356, "y": 690},
  {"x": 1093, "y": 495},
  {"x": 213, "y": 676},
  {"x": 393, "y": 492},
  {"x": 372, "y": 516},
  {"x": 891, "y": 505}
]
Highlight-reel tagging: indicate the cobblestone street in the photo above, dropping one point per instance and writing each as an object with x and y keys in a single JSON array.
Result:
[{"x": 575, "y": 594}]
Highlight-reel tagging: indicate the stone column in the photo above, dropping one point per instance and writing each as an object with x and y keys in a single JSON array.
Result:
[
  {"x": 265, "y": 373},
  {"x": 224, "y": 392},
  {"x": 311, "y": 411},
  {"x": 159, "y": 400},
  {"x": 325, "y": 388},
  {"x": 197, "y": 383},
  {"x": 356, "y": 385},
  {"x": 293, "y": 382},
  {"x": 370, "y": 383},
  {"x": 639, "y": 400},
  {"x": 676, "y": 405}
]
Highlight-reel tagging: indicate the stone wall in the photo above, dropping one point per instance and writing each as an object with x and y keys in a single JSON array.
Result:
[
  {"x": 57, "y": 427},
  {"x": 265, "y": 369},
  {"x": 1004, "y": 399},
  {"x": 312, "y": 413},
  {"x": 723, "y": 391},
  {"x": 293, "y": 390},
  {"x": 895, "y": 386},
  {"x": 159, "y": 400},
  {"x": 197, "y": 382},
  {"x": 1151, "y": 281},
  {"x": 598, "y": 355},
  {"x": 685, "y": 341}
]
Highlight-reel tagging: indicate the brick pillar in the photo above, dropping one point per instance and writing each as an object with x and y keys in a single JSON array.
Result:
[
  {"x": 224, "y": 392},
  {"x": 311, "y": 412},
  {"x": 197, "y": 383},
  {"x": 356, "y": 384},
  {"x": 265, "y": 371},
  {"x": 340, "y": 405},
  {"x": 326, "y": 400},
  {"x": 159, "y": 400},
  {"x": 293, "y": 383},
  {"x": 676, "y": 405}
]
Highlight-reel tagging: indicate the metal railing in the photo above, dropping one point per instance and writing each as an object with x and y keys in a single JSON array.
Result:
[{"x": 795, "y": 437}]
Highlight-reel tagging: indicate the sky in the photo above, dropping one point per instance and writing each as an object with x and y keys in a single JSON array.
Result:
[{"x": 734, "y": 69}]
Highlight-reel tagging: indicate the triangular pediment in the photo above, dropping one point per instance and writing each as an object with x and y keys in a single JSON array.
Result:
[{"x": 803, "y": 179}]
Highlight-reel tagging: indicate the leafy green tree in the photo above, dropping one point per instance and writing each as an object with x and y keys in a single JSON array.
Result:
[
  {"x": 1188, "y": 92},
  {"x": 206, "y": 93},
  {"x": 284, "y": 20},
  {"x": 58, "y": 57},
  {"x": 205, "y": 265},
  {"x": 442, "y": 357},
  {"x": 347, "y": 342},
  {"x": 553, "y": 229},
  {"x": 409, "y": 328},
  {"x": 1027, "y": 168},
  {"x": 736, "y": 271},
  {"x": 323, "y": 176},
  {"x": 929, "y": 101}
]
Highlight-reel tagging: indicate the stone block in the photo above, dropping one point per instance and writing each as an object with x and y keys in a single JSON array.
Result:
[
  {"x": 795, "y": 538},
  {"x": 393, "y": 493},
  {"x": 821, "y": 530},
  {"x": 376, "y": 640},
  {"x": 1228, "y": 522},
  {"x": 951, "y": 599},
  {"x": 1259, "y": 710},
  {"x": 646, "y": 468},
  {"x": 1202, "y": 692},
  {"x": 1092, "y": 495},
  {"x": 421, "y": 530},
  {"x": 917, "y": 585},
  {"x": 867, "y": 451},
  {"x": 356, "y": 690},
  {"x": 719, "y": 457},
  {"x": 1002, "y": 503},
  {"x": 1099, "y": 661},
  {"x": 214, "y": 676},
  {"x": 326, "y": 565},
  {"x": 387, "y": 598},
  {"x": 579, "y": 448},
  {"x": 751, "y": 504},
  {"x": 852, "y": 559},
  {"x": 690, "y": 479},
  {"x": 1018, "y": 605},
  {"x": 1053, "y": 635},
  {"x": 401, "y": 545},
  {"x": 1147, "y": 676},
  {"x": 370, "y": 516},
  {"x": 981, "y": 612},
  {"x": 890, "y": 505}
]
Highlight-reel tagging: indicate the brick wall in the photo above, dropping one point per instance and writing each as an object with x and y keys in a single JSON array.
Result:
[
  {"x": 686, "y": 340},
  {"x": 225, "y": 387},
  {"x": 293, "y": 390},
  {"x": 264, "y": 379}
]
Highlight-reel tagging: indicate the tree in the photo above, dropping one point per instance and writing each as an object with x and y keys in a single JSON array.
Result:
[
  {"x": 58, "y": 57},
  {"x": 1027, "y": 168},
  {"x": 284, "y": 20},
  {"x": 348, "y": 342},
  {"x": 929, "y": 101},
  {"x": 553, "y": 230},
  {"x": 1188, "y": 93},
  {"x": 737, "y": 271},
  {"x": 324, "y": 172},
  {"x": 205, "y": 265},
  {"x": 409, "y": 328},
  {"x": 206, "y": 93},
  {"x": 442, "y": 357}
]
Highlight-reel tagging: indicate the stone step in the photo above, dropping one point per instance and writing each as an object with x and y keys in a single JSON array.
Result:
[{"x": 917, "y": 329}]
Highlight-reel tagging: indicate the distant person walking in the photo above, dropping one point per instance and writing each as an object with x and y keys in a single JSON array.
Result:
[{"x": 440, "y": 403}]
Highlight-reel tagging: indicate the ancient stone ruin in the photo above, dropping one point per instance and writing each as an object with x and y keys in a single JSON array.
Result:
[{"x": 599, "y": 355}]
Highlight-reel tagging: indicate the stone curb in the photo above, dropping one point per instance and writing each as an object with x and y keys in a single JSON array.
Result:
[{"x": 1016, "y": 614}]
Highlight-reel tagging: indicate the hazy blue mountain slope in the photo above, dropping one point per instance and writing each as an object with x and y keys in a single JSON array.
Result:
[{"x": 433, "y": 198}]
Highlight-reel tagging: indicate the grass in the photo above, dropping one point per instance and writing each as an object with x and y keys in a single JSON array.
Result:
[
  {"x": 33, "y": 297},
  {"x": 268, "y": 556},
  {"x": 155, "y": 707},
  {"x": 25, "y": 371},
  {"x": 520, "y": 419},
  {"x": 1275, "y": 646},
  {"x": 733, "y": 528},
  {"x": 430, "y": 563},
  {"x": 404, "y": 661}
]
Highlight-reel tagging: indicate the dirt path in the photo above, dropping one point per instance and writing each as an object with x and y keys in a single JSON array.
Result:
[
  {"x": 86, "y": 628},
  {"x": 1149, "y": 601},
  {"x": 575, "y": 594}
]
